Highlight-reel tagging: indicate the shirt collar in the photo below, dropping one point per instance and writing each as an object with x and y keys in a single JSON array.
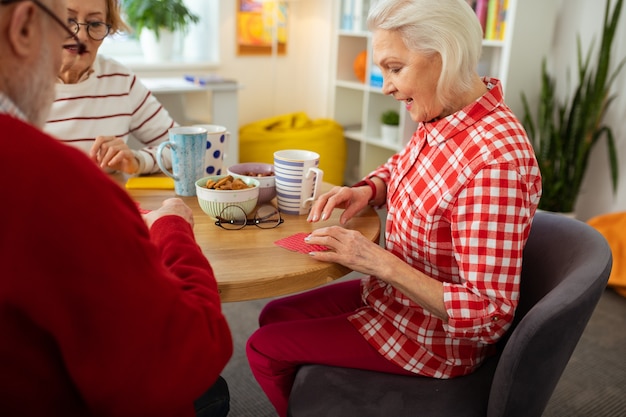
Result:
[
  {"x": 8, "y": 107},
  {"x": 446, "y": 128},
  {"x": 82, "y": 78}
]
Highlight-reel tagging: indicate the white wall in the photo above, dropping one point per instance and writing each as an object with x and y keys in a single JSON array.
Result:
[
  {"x": 300, "y": 80},
  {"x": 297, "y": 81},
  {"x": 585, "y": 17}
]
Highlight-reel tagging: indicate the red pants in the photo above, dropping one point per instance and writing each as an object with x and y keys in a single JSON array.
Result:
[{"x": 311, "y": 327}]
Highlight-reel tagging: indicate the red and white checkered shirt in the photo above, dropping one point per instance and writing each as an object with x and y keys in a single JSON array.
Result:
[{"x": 460, "y": 201}]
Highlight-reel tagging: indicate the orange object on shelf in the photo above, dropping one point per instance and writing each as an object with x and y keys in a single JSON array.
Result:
[{"x": 360, "y": 62}]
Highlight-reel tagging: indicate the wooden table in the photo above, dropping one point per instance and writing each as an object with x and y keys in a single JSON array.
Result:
[{"x": 247, "y": 263}]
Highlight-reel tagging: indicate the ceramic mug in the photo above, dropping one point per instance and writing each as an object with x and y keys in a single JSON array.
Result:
[
  {"x": 188, "y": 147},
  {"x": 298, "y": 180},
  {"x": 216, "y": 146}
]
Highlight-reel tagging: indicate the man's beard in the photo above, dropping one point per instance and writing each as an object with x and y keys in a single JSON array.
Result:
[{"x": 37, "y": 94}]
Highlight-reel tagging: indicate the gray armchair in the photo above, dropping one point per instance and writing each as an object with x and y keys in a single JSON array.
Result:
[{"x": 565, "y": 270}]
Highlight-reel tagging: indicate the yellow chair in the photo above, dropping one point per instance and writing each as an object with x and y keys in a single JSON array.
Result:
[{"x": 259, "y": 140}]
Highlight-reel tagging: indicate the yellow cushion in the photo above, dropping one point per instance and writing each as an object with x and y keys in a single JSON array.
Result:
[
  {"x": 259, "y": 140},
  {"x": 613, "y": 227}
]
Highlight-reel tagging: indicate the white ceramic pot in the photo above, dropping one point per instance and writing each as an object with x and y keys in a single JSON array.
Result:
[
  {"x": 390, "y": 133},
  {"x": 157, "y": 50}
]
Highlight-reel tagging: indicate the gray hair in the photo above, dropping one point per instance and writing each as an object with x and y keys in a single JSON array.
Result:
[{"x": 448, "y": 28}]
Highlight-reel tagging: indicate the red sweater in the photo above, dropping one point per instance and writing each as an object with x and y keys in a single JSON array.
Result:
[{"x": 98, "y": 315}]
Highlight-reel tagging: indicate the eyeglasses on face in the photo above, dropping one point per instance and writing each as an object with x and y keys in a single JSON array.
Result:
[
  {"x": 234, "y": 218},
  {"x": 95, "y": 30},
  {"x": 79, "y": 45}
]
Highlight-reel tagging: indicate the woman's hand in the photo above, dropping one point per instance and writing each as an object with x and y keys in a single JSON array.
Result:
[
  {"x": 351, "y": 249},
  {"x": 352, "y": 200},
  {"x": 113, "y": 153},
  {"x": 170, "y": 207}
]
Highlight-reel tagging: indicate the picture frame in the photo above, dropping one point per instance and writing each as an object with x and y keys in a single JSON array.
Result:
[{"x": 261, "y": 27}]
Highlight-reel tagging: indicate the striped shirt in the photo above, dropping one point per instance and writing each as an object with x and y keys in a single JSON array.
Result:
[
  {"x": 110, "y": 102},
  {"x": 460, "y": 200}
]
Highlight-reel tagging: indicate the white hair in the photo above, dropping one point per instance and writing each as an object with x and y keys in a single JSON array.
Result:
[{"x": 448, "y": 28}]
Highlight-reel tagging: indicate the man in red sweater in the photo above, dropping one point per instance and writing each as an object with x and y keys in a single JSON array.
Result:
[{"x": 102, "y": 312}]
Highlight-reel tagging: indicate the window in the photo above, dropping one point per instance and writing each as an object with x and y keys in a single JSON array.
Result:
[{"x": 198, "y": 47}]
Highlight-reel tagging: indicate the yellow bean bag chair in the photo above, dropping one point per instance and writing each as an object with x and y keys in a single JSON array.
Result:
[
  {"x": 613, "y": 227},
  {"x": 259, "y": 140}
]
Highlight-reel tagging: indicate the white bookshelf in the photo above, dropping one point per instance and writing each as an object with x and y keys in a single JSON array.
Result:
[{"x": 515, "y": 60}]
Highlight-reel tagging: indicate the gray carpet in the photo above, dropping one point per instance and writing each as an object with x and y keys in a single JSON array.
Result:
[
  {"x": 593, "y": 384},
  {"x": 594, "y": 381}
]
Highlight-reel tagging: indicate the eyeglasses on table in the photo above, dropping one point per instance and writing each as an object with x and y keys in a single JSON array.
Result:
[{"x": 234, "y": 218}]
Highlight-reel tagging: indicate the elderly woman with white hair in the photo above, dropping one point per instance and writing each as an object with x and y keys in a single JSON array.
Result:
[{"x": 460, "y": 199}]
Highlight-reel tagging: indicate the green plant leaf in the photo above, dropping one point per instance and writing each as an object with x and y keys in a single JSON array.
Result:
[
  {"x": 157, "y": 15},
  {"x": 390, "y": 117},
  {"x": 564, "y": 131}
]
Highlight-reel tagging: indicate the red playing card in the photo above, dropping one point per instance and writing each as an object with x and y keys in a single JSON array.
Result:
[
  {"x": 296, "y": 243},
  {"x": 141, "y": 210}
]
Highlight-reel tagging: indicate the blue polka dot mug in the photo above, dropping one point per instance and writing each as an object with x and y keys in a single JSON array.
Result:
[{"x": 216, "y": 146}]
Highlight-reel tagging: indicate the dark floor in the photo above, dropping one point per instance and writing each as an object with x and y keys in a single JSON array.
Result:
[{"x": 594, "y": 382}]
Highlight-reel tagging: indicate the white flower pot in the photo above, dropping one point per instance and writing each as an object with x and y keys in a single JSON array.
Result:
[
  {"x": 157, "y": 50},
  {"x": 390, "y": 134}
]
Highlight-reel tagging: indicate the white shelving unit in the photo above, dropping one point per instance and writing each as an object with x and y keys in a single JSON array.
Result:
[{"x": 515, "y": 60}]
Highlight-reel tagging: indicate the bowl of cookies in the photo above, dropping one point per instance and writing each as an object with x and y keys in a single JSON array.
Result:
[
  {"x": 217, "y": 192},
  {"x": 260, "y": 171}
]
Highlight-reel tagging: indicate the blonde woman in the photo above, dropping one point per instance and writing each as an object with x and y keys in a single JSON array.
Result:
[{"x": 100, "y": 102}]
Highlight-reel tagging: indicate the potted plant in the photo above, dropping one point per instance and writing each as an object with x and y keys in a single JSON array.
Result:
[
  {"x": 565, "y": 131},
  {"x": 155, "y": 22},
  {"x": 390, "y": 120}
]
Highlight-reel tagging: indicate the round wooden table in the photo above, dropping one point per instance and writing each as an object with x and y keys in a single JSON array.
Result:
[{"x": 248, "y": 264}]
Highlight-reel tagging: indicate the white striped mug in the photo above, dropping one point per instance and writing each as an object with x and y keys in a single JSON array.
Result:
[{"x": 298, "y": 180}]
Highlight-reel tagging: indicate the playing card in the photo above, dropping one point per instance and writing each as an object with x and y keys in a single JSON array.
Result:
[{"x": 296, "y": 243}]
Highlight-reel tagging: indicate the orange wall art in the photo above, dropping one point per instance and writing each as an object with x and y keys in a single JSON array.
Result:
[{"x": 261, "y": 27}]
